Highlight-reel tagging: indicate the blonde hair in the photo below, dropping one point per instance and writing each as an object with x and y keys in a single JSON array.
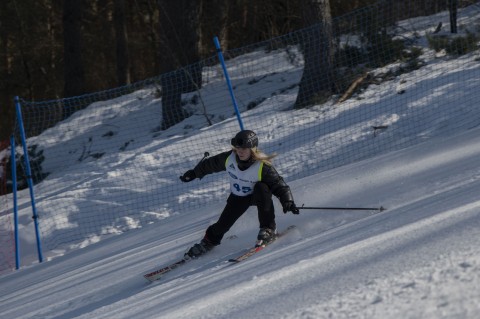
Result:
[{"x": 258, "y": 155}]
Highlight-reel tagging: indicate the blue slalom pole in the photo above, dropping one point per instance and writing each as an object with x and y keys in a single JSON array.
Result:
[
  {"x": 230, "y": 89},
  {"x": 15, "y": 203},
  {"x": 29, "y": 176}
]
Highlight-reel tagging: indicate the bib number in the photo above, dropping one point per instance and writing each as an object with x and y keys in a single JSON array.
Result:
[{"x": 243, "y": 189}]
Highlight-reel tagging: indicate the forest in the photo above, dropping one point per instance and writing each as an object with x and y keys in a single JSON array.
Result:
[{"x": 52, "y": 49}]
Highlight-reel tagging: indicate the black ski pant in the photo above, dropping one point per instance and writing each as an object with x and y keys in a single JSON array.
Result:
[{"x": 237, "y": 205}]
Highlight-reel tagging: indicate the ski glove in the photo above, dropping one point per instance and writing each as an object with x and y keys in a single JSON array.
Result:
[
  {"x": 188, "y": 176},
  {"x": 290, "y": 207}
]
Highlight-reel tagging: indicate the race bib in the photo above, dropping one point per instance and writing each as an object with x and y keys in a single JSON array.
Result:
[{"x": 243, "y": 182}]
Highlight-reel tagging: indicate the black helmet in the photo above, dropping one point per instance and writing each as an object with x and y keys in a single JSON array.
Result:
[{"x": 245, "y": 139}]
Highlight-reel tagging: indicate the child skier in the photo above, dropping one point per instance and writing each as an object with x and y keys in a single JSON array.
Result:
[{"x": 253, "y": 180}]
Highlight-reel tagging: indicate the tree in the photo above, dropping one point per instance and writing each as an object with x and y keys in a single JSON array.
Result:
[
  {"x": 74, "y": 73},
  {"x": 121, "y": 41},
  {"x": 317, "y": 45},
  {"x": 452, "y": 8},
  {"x": 214, "y": 19},
  {"x": 179, "y": 20},
  {"x": 6, "y": 111}
]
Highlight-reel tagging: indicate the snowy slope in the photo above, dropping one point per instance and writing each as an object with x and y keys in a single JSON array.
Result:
[{"x": 418, "y": 259}]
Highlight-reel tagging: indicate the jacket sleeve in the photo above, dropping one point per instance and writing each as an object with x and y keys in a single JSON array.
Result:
[
  {"x": 276, "y": 184},
  {"x": 212, "y": 164}
]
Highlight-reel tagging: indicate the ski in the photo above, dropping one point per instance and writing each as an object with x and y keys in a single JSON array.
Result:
[
  {"x": 252, "y": 251},
  {"x": 158, "y": 273}
]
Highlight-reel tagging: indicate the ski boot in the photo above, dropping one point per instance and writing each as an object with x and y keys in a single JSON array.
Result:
[
  {"x": 266, "y": 236},
  {"x": 199, "y": 249}
]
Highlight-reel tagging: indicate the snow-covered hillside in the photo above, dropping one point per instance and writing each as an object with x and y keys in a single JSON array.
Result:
[{"x": 418, "y": 259}]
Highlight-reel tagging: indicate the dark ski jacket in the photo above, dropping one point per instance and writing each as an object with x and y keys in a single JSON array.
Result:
[{"x": 270, "y": 176}]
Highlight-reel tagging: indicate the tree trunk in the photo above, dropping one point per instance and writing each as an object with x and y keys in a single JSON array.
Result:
[
  {"x": 74, "y": 73},
  {"x": 179, "y": 22},
  {"x": 453, "y": 7},
  {"x": 123, "y": 61},
  {"x": 317, "y": 45},
  {"x": 6, "y": 110},
  {"x": 213, "y": 22}
]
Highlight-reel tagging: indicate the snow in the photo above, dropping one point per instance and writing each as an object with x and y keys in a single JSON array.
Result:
[{"x": 420, "y": 258}]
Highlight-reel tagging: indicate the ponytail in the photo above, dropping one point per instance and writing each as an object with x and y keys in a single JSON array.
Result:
[{"x": 260, "y": 156}]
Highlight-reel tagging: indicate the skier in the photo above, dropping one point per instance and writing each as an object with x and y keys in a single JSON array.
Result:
[{"x": 253, "y": 180}]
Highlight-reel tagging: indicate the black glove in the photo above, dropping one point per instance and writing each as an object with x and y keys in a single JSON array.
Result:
[
  {"x": 290, "y": 207},
  {"x": 188, "y": 176}
]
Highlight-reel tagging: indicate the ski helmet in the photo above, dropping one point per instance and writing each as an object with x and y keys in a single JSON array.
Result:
[{"x": 245, "y": 139}]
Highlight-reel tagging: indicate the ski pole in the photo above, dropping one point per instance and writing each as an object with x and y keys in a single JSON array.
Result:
[
  {"x": 205, "y": 155},
  {"x": 189, "y": 178},
  {"x": 381, "y": 208}
]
